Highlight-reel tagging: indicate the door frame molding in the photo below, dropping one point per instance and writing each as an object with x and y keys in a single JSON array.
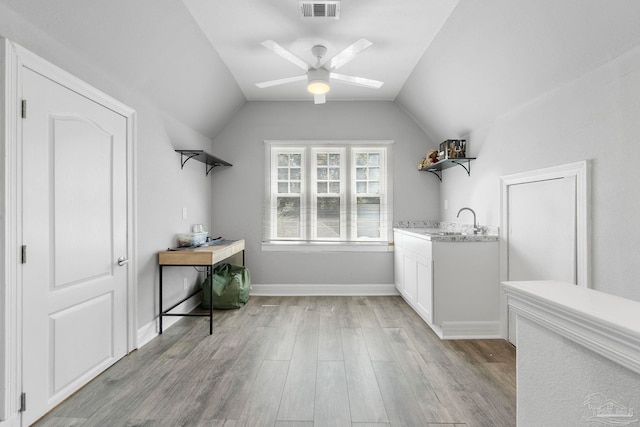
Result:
[
  {"x": 582, "y": 172},
  {"x": 13, "y": 59}
]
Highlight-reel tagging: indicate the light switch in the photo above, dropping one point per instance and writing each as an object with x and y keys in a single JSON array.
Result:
[{"x": 184, "y": 213}]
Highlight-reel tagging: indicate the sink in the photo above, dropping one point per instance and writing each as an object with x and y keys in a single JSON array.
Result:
[{"x": 435, "y": 232}]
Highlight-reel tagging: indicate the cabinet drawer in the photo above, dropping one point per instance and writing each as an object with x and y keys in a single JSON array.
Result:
[{"x": 417, "y": 245}]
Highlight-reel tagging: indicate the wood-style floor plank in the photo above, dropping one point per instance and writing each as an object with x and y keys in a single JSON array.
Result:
[
  {"x": 229, "y": 397},
  {"x": 261, "y": 409},
  {"x": 298, "y": 397},
  {"x": 377, "y": 344},
  {"x": 285, "y": 330},
  {"x": 399, "y": 399},
  {"x": 365, "y": 399},
  {"x": 332, "y": 397},
  {"x": 62, "y": 422},
  {"x": 302, "y": 362},
  {"x": 414, "y": 366},
  {"x": 330, "y": 335},
  {"x": 294, "y": 424}
]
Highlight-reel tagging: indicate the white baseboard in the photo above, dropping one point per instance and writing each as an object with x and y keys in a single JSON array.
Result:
[
  {"x": 470, "y": 330},
  {"x": 149, "y": 331},
  {"x": 323, "y": 290}
]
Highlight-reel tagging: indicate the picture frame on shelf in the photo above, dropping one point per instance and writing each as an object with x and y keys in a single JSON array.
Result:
[
  {"x": 443, "y": 150},
  {"x": 453, "y": 149}
]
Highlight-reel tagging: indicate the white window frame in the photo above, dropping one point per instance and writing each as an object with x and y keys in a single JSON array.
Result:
[
  {"x": 274, "y": 190},
  {"x": 382, "y": 194},
  {"x": 348, "y": 240},
  {"x": 344, "y": 182}
]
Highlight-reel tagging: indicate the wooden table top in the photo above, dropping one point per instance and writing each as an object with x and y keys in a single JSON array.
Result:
[{"x": 205, "y": 255}]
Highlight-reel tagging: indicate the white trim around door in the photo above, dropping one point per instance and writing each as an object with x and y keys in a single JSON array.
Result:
[
  {"x": 581, "y": 171},
  {"x": 13, "y": 59}
]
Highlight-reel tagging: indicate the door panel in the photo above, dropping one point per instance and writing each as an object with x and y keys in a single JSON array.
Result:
[
  {"x": 75, "y": 228},
  {"x": 409, "y": 275},
  {"x": 81, "y": 339},
  {"x": 542, "y": 230},
  {"x": 82, "y": 216},
  {"x": 424, "y": 298}
]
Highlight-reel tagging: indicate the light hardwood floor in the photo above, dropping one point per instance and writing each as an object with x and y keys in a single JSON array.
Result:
[{"x": 302, "y": 362}]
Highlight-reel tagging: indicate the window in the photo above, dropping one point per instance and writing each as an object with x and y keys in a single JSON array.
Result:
[{"x": 319, "y": 193}]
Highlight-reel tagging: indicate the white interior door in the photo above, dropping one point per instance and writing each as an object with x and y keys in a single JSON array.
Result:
[
  {"x": 541, "y": 235},
  {"x": 74, "y": 180}
]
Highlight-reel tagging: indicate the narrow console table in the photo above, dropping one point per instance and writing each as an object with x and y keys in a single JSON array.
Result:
[{"x": 205, "y": 256}]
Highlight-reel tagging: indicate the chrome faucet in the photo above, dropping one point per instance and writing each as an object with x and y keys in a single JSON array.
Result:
[{"x": 475, "y": 225}]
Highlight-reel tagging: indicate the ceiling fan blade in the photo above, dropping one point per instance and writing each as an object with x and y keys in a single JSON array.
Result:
[
  {"x": 357, "y": 81},
  {"x": 289, "y": 56},
  {"x": 270, "y": 83},
  {"x": 319, "y": 98},
  {"x": 348, "y": 54}
]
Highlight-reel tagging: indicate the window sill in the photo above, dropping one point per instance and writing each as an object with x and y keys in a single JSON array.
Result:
[{"x": 327, "y": 247}]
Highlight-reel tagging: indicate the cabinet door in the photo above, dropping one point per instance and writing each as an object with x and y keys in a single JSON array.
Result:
[
  {"x": 409, "y": 275},
  {"x": 424, "y": 297}
]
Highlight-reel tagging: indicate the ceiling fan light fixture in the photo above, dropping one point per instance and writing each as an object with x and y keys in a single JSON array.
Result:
[
  {"x": 320, "y": 74},
  {"x": 318, "y": 81},
  {"x": 318, "y": 87}
]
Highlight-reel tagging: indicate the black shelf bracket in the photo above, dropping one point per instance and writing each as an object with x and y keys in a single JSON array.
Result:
[
  {"x": 438, "y": 167},
  {"x": 467, "y": 168},
  {"x": 184, "y": 161},
  {"x": 209, "y": 161},
  {"x": 437, "y": 173}
]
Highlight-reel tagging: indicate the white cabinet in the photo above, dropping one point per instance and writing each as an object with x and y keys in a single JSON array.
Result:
[
  {"x": 413, "y": 273},
  {"x": 453, "y": 285}
]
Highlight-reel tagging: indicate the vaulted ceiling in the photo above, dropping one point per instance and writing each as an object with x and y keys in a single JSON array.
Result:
[
  {"x": 453, "y": 65},
  {"x": 400, "y": 30}
]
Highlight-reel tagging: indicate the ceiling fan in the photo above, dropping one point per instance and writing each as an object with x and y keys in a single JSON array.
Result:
[{"x": 319, "y": 74}]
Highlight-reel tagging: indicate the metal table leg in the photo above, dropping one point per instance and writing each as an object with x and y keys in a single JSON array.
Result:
[
  {"x": 210, "y": 277},
  {"x": 160, "y": 305}
]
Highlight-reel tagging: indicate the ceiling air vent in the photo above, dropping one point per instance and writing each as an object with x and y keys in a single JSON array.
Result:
[{"x": 320, "y": 9}]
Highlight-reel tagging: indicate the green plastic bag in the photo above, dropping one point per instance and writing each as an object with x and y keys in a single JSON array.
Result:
[{"x": 231, "y": 285}]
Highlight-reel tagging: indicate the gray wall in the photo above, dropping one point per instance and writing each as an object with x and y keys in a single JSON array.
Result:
[
  {"x": 238, "y": 191},
  {"x": 571, "y": 92},
  {"x": 162, "y": 189},
  {"x": 594, "y": 117}
]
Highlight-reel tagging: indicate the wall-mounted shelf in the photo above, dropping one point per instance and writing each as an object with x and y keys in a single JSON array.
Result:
[
  {"x": 438, "y": 167},
  {"x": 199, "y": 155}
]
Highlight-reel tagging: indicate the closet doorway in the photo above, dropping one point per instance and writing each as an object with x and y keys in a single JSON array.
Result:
[{"x": 544, "y": 228}]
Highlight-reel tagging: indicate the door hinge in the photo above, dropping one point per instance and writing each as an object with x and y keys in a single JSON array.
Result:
[
  {"x": 23, "y": 402},
  {"x": 24, "y": 254},
  {"x": 24, "y": 108}
]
